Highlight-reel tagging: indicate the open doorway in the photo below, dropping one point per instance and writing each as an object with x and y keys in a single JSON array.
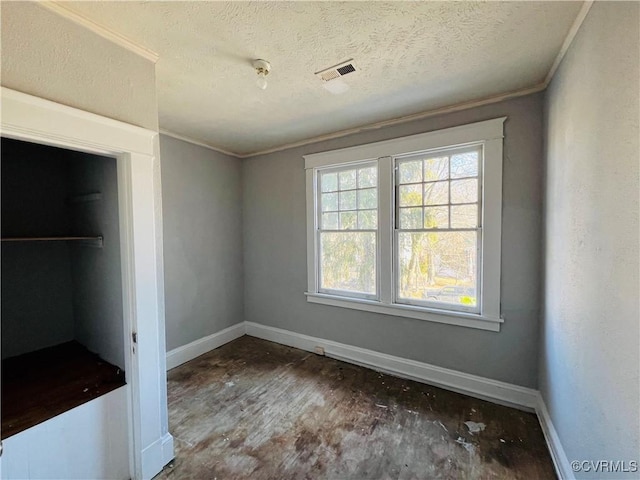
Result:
[
  {"x": 62, "y": 310},
  {"x": 126, "y": 427}
]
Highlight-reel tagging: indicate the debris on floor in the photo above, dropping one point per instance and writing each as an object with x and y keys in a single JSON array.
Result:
[
  {"x": 474, "y": 427},
  {"x": 469, "y": 447}
]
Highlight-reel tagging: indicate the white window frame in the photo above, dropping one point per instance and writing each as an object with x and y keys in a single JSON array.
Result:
[
  {"x": 477, "y": 309},
  {"x": 489, "y": 134},
  {"x": 318, "y": 230}
]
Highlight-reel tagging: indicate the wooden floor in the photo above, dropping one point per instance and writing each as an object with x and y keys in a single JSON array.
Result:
[
  {"x": 255, "y": 409},
  {"x": 38, "y": 386}
]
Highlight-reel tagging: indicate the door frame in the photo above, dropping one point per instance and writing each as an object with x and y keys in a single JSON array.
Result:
[{"x": 32, "y": 119}]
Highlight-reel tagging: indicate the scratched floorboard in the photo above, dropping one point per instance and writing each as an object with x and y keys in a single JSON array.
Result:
[{"x": 255, "y": 409}]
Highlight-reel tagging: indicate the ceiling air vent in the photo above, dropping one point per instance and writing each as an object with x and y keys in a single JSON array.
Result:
[{"x": 336, "y": 71}]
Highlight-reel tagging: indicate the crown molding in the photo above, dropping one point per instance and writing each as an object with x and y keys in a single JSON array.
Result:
[
  {"x": 571, "y": 34},
  {"x": 408, "y": 118},
  {"x": 79, "y": 19},
  {"x": 372, "y": 126},
  {"x": 193, "y": 141},
  {"x": 100, "y": 30}
]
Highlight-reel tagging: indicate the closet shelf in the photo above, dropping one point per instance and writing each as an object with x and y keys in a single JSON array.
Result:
[{"x": 88, "y": 241}]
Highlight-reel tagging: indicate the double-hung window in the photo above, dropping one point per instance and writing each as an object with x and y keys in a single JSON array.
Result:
[
  {"x": 347, "y": 230},
  {"x": 410, "y": 227},
  {"x": 438, "y": 234}
]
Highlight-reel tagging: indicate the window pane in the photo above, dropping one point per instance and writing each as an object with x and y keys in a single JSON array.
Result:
[
  {"x": 438, "y": 267},
  {"x": 368, "y": 219},
  {"x": 329, "y": 202},
  {"x": 347, "y": 180},
  {"x": 411, "y": 218},
  {"x": 436, "y": 193},
  {"x": 436, "y": 217},
  {"x": 410, "y": 172},
  {"x": 464, "y": 216},
  {"x": 368, "y": 198},
  {"x": 348, "y": 261},
  {"x": 348, "y": 200},
  {"x": 348, "y": 220},
  {"x": 410, "y": 195},
  {"x": 368, "y": 177},
  {"x": 329, "y": 221},
  {"x": 436, "y": 169},
  {"x": 329, "y": 182},
  {"x": 464, "y": 165},
  {"x": 464, "y": 191}
]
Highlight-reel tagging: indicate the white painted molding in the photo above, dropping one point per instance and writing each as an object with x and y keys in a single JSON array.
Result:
[
  {"x": 461, "y": 319},
  {"x": 364, "y": 128},
  {"x": 484, "y": 388},
  {"x": 157, "y": 455},
  {"x": 445, "y": 137},
  {"x": 114, "y": 37},
  {"x": 582, "y": 14},
  {"x": 558, "y": 455},
  {"x": 408, "y": 118},
  {"x": 24, "y": 115},
  {"x": 187, "y": 352},
  {"x": 167, "y": 449},
  {"x": 488, "y": 133},
  {"x": 193, "y": 141},
  {"x": 571, "y": 34},
  {"x": 36, "y": 120},
  {"x": 144, "y": 52},
  {"x": 475, "y": 386}
]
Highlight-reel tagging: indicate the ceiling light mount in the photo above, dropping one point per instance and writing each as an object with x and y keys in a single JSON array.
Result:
[{"x": 262, "y": 69}]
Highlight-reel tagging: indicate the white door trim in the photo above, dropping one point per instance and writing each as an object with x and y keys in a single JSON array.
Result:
[{"x": 36, "y": 120}]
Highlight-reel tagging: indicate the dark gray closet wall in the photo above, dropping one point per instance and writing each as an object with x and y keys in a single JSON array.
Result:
[
  {"x": 96, "y": 273},
  {"x": 55, "y": 292},
  {"x": 37, "y": 304}
]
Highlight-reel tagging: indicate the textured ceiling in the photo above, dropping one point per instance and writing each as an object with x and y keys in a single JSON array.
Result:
[{"x": 412, "y": 57}]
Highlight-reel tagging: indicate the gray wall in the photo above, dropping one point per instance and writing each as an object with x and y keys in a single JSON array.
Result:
[
  {"x": 51, "y": 57},
  {"x": 96, "y": 272},
  {"x": 276, "y": 271},
  {"x": 590, "y": 340},
  {"x": 37, "y": 299},
  {"x": 203, "y": 264}
]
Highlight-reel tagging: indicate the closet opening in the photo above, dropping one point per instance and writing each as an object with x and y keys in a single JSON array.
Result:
[{"x": 63, "y": 339}]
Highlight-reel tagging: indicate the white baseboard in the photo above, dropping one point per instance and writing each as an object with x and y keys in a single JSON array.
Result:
[
  {"x": 167, "y": 448},
  {"x": 558, "y": 455},
  {"x": 156, "y": 456},
  {"x": 187, "y": 352},
  {"x": 480, "y": 387},
  {"x": 473, "y": 385}
]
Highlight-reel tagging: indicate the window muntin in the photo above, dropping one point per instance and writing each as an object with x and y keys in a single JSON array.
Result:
[
  {"x": 348, "y": 230},
  {"x": 483, "y": 220},
  {"x": 437, "y": 235}
]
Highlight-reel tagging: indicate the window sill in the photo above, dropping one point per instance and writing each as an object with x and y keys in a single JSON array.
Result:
[{"x": 461, "y": 319}]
